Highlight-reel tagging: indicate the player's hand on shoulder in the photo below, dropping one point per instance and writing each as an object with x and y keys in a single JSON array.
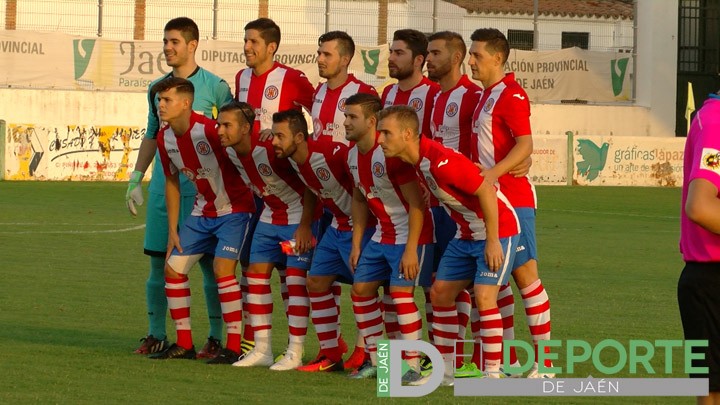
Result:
[{"x": 265, "y": 135}]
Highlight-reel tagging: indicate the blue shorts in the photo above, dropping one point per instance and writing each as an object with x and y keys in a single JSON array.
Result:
[
  {"x": 381, "y": 262},
  {"x": 332, "y": 254},
  {"x": 266, "y": 246},
  {"x": 445, "y": 230},
  {"x": 156, "y": 223},
  {"x": 465, "y": 260},
  {"x": 527, "y": 244},
  {"x": 222, "y": 237},
  {"x": 245, "y": 252}
]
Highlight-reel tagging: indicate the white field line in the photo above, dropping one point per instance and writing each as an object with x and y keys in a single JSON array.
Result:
[{"x": 17, "y": 232}]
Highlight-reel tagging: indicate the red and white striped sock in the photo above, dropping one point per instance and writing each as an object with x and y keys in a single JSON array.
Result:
[
  {"x": 537, "y": 311},
  {"x": 491, "y": 331},
  {"x": 248, "y": 334},
  {"x": 369, "y": 322},
  {"x": 324, "y": 317},
  {"x": 463, "y": 306},
  {"x": 506, "y": 304},
  {"x": 298, "y": 308},
  {"x": 475, "y": 330},
  {"x": 390, "y": 317},
  {"x": 445, "y": 329},
  {"x": 410, "y": 323},
  {"x": 336, "y": 289},
  {"x": 231, "y": 305},
  {"x": 429, "y": 311},
  {"x": 260, "y": 307},
  {"x": 284, "y": 288},
  {"x": 178, "y": 296}
]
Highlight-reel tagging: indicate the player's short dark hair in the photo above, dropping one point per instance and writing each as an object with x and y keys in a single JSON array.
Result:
[
  {"x": 294, "y": 118},
  {"x": 370, "y": 104},
  {"x": 453, "y": 41},
  {"x": 495, "y": 41},
  {"x": 187, "y": 27},
  {"x": 415, "y": 40},
  {"x": 180, "y": 85},
  {"x": 241, "y": 109},
  {"x": 346, "y": 45},
  {"x": 405, "y": 116},
  {"x": 269, "y": 31}
]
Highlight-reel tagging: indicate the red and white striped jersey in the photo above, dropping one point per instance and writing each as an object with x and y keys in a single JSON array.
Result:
[
  {"x": 451, "y": 123},
  {"x": 379, "y": 179},
  {"x": 420, "y": 98},
  {"x": 502, "y": 114},
  {"x": 199, "y": 155},
  {"x": 328, "y": 108},
  {"x": 325, "y": 173},
  {"x": 274, "y": 180},
  {"x": 280, "y": 88},
  {"x": 438, "y": 168}
]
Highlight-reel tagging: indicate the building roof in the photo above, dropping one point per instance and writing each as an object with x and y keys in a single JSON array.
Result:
[{"x": 566, "y": 8}]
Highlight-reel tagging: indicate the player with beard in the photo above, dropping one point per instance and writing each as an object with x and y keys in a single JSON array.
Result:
[{"x": 405, "y": 63}]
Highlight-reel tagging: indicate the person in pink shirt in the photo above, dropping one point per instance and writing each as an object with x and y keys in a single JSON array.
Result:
[{"x": 699, "y": 282}]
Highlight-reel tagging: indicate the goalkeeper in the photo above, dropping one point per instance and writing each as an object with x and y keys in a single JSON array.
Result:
[{"x": 181, "y": 40}]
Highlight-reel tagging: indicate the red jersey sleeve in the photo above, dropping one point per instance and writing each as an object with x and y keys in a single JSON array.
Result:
[{"x": 516, "y": 112}]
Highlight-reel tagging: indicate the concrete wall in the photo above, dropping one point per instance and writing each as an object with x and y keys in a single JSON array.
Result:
[{"x": 130, "y": 109}]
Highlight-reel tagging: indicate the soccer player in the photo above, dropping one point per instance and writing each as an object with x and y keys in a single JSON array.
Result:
[
  {"x": 484, "y": 246},
  {"x": 405, "y": 63},
  {"x": 180, "y": 40},
  {"x": 284, "y": 217},
  {"x": 502, "y": 135},
  {"x": 269, "y": 87},
  {"x": 322, "y": 166},
  {"x": 218, "y": 224},
  {"x": 335, "y": 51},
  {"x": 700, "y": 241},
  {"x": 451, "y": 125},
  {"x": 400, "y": 251}
]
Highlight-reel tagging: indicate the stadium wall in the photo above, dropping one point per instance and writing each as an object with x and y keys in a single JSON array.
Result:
[{"x": 81, "y": 135}]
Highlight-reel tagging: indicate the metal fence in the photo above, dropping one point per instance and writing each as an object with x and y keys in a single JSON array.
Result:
[{"x": 304, "y": 20}]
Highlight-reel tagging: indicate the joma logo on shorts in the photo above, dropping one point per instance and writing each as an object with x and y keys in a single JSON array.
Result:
[{"x": 229, "y": 249}]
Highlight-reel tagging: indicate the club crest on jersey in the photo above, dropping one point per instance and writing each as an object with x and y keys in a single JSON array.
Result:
[
  {"x": 451, "y": 109},
  {"x": 341, "y": 104},
  {"x": 416, "y": 103},
  {"x": 271, "y": 92},
  {"x": 378, "y": 169},
  {"x": 710, "y": 160},
  {"x": 489, "y": 104},
  {"x": 203, "y": 148},
  {"x": 323, "y": 173},
  {"x": 431, "y": 183},
  {"x": 188, "y": 173},
  {"x": 264, "y": 169}
]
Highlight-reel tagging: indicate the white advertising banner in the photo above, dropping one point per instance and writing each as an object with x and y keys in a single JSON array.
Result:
[
  {"x": 628, "y": 161},
  {"x": 59, "y": 61},
  {"x": 550, "y": 160}
]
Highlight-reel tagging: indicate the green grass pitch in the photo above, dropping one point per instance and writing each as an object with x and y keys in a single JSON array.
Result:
[{"x": 72, "y": 304}]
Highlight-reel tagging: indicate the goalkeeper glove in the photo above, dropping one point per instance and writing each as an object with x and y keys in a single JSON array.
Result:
[{"x": 134, "y": 193}]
